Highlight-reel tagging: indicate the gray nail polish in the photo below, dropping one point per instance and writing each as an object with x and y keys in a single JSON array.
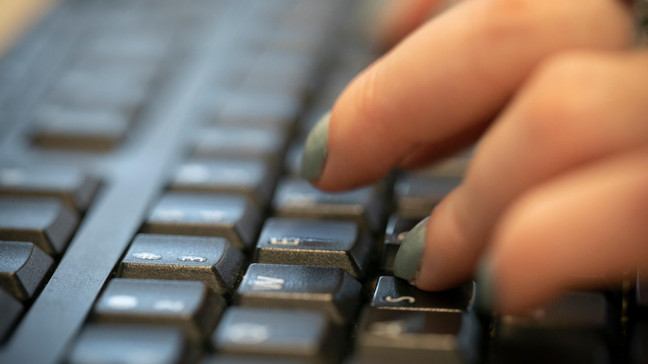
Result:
[
  {"x": 408, "y": 258},
  {"x": 485, "y": 298},
  {"x": 315, "y": 150}
]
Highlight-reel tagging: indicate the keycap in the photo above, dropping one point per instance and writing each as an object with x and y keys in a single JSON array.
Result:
[
  {"x": 231, "y": 216},
  {"x": 256, "y": 109},
  {"x": 239, "y": 142},
  {"x": 11, "y": 310},
  {"x": 188, "y": 305},
  {"x": 416, "y": 195},
  {"x": 99, "y": 90},
  {"x": 292, "y": 163},
  {"x": 45, "y": 222},
  {"x": 393, "y": 293},
  {"x": 393, "y": 336},
  {"x": 571, "y": 330},
  {"x": 298, "y": 198},
  {"x": 395, "y": 232},
  {"x": 128, "y": 344},
  {"x": 330, "y": 290},
  {"x": 321, "y": 243},
  {"x": 23, "y": 268},
  {"x": 273, "y": 334},
  {"x": 87, "y": 129},
  {"x": 213, "y": 261},
  {"x": 69, "y": 185},
  {"x": 251, "y": 177}
]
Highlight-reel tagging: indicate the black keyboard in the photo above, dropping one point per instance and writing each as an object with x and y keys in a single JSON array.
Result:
[{"x": 150, "y": 210}]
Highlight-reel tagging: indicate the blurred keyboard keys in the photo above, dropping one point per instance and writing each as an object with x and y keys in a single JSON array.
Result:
[
  {"x": 393, "y": 336},
  {"x": 239, "y": 142},
  {"x": 85, "y": 129},
  {"x": 128, "y": 344},
  {"x": 571, "y": 330},
  {"x": 250, "y": 177},
  {"x": 69, "y": 185},
  {"x": 416, "y": 195},
  {"x": 272, "y": 334}
]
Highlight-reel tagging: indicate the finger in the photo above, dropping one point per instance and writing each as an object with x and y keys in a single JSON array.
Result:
[
  {"x": 453, "y": 74},
  {"x": 590, "y": 222},
  {"x": 576, "y": 109},
  {"x": 400, "y": 17}
]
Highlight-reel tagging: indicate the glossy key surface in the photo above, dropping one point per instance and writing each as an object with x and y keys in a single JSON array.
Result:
[
  {"x": 327, "y": 289},
  {"x": 128, "y": 344},
  {"x": 67, "y": 184},
  {"x": 387, "y": 336},
  {"x": 416, "y": 195},
  {"x": 230, "y": 216},
  {"x": 188, "y": 305},
  {"x": 320, "y": 243},
  {"x": 273, "y": 334},
  {"x": 46, "y": 222},
  {"x": 298, "y": 198},
  {"x": 251, "y": 177},
  {"x": 213, "y": 261},
  {"x": 23, "y": 268},
  {"x": 393, "y": 293}
]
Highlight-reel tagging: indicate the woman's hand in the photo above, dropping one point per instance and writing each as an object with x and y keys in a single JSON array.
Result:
[{"x": 558, "y": 185}]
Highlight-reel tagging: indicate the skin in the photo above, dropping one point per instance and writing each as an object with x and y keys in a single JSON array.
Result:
[{"x": 554, "y": 90}]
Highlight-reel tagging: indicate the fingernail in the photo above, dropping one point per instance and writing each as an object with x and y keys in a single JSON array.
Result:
[
  {"x": 408, "y": 258},
  {"x": 315, "y": 150},
  {"x": 485, "y": 298}
]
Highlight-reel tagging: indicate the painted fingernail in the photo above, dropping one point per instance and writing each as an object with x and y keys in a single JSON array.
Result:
[
  {"x": 485, "y": 298},
  {"x": 408, "y": 258},
  {"x": 315, "y": 150}
]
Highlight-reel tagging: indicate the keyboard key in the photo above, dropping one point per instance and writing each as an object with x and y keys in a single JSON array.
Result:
[
  {"x": 213, "y": 261},
  {"x": 257, "y": 109},
  {"x": 232, "y": 217},
  {"x": 88, "y": 129},
  {"x": 273, "y": 334},
  {"x": 396, "y": 294},
  {"x": 23, "y": 268},
  {"x": 416, "y": 195},
  {"x": 393, "y": 336},
  {"x": 188, "y": 305},
  {"x": 11, "y": 310},
  {"x": 299, "y": 199},
  {"x": 321, "y": 243},
  {"x": 244, "y": 359},
  {"x": 330, "y": 290},
  {"x": 239, "y": 142},
  {"x": 67, "y": 184},
  {"x": 128, "y": 344},
  {"x": 395, "y": 233},
  {"x": 45, "y": 222},
  {"x": 250, "y": 177},
  {"x": 572, "y": 330}
]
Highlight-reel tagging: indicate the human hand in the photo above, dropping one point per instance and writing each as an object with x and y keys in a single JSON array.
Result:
[{"x": 556, "y": 189}]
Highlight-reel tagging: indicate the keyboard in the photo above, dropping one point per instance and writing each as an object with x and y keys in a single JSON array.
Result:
[{"x": 150, "y": 209}]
